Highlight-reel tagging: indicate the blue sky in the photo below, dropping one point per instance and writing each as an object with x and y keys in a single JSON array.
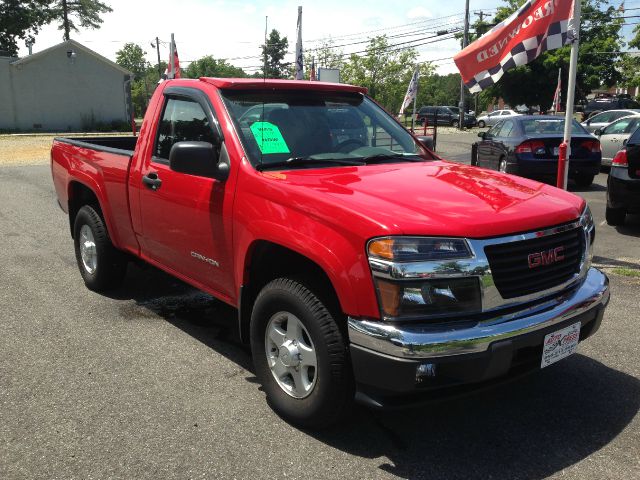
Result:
[{"x": 233, "y": 29}]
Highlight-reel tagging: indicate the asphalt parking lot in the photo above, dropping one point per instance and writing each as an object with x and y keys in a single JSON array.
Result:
[{"x": 150, "y": 383}]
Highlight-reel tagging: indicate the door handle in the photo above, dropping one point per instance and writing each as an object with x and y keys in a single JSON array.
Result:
[{"x": 152, "y": 181}]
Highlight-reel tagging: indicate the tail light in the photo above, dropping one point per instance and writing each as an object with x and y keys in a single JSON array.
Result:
[
  {"x": 592, "y": 145},
  {"x": 532, "y": 146},
  {"x": 620, "y": 160}
]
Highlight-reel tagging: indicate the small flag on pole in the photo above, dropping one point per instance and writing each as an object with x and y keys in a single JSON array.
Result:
[
  {"x": 557, "y": 96},
  {"x": 537, "y": 26},
  {"x": 299, "y": 59},
  {"x": 412, "y": 90},
  {"x": 173, "y": 69}
]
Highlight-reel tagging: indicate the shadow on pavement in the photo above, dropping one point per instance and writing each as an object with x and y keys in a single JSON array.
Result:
[{"x": 530, "y": 428}]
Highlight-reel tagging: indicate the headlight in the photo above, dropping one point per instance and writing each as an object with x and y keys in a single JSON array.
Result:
[
  {"x": 416, "y": 249},
  {"x": 416, "y": 277}
]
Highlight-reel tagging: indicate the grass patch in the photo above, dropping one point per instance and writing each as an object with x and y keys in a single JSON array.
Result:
[{"x": 627, "y": 272}]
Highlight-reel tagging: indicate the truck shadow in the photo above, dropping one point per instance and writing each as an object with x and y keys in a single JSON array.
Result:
[{"x": 530, "y": 428}]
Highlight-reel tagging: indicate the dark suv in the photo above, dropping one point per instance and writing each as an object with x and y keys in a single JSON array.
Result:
[
  {"x": 623, "y": 184},
  {"x": 602, "y": 104},
  {"x": 444, "y": 115}
]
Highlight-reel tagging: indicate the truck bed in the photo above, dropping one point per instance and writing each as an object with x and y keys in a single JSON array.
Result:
[{"x": 119, "y": 145}]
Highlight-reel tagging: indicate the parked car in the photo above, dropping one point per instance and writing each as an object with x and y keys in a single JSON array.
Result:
[
  {"x": 602, "y": 104},
  {"x": 614, "y": 136},
  {"x": 444, "y": 116},
  {"x": 623, "y": 184},
  {"x": 601, "y": 120},
  {"x": 369, "y": 269},
  {"x": 490, "y": 119},
  {"x": 528, "y": 145}
]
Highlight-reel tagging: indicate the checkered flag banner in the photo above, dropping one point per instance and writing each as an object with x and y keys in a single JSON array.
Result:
[
  {"x": 537, "y": 26},
  {"x": 412, "y": 91}
]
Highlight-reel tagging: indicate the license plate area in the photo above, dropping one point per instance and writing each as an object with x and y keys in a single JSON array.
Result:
[
  {"x": 560, "y": 344},
  {"x": 556, "y": 151}
]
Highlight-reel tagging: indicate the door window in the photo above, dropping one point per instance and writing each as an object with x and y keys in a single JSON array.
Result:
[
  {"x": 505, "y": 113},
  {"x": 604, "y": 117},
  {"x": 182, "y": 120},
  {"x": 493, "y": 131},
  {"x": 507, "y": 129},
  {"x": 619, "y": 127}
]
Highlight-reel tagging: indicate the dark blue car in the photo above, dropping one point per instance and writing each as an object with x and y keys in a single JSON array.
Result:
[{"x": 528, "y": 145}]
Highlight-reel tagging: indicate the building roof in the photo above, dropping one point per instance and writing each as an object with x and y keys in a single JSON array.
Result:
[{"x": 69, "y": 44}]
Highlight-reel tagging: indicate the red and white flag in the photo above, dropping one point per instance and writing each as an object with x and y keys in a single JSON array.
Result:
[
  {"x": 557, "y": 96},
  {"x": 537, "y": 26},
  {"x": 173, "y": 68},
  {"x": 412, "y": 90}
]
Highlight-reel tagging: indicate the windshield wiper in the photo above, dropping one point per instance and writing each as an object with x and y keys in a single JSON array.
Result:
[
  {"x": 302, "y": 161},
  {"x": 389, "y": 156}
]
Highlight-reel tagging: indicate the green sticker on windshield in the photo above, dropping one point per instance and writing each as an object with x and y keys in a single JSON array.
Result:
[{"x": 269, "y": 138}]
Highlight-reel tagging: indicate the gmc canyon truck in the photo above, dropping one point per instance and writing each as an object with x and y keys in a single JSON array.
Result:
[{"x": 363, "y": 266}]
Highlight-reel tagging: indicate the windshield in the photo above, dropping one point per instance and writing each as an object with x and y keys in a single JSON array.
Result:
[
  {"x": 544, "y": 125},
  {"x": 294, "y": 129}
]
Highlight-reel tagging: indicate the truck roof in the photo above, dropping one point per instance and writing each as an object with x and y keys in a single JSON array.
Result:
[{"x": 258, "y": 83}]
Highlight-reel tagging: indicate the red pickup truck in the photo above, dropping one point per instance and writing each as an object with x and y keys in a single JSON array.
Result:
[{"x": 361, "y": 264}]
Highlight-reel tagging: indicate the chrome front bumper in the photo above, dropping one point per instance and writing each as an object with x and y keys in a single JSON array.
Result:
[{"x": 424, "y": 340}]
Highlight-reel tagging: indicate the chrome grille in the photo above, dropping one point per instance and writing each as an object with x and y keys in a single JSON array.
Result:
[{"x": 510, "y": 263}]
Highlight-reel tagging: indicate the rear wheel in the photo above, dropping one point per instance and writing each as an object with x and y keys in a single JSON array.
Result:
[
  {"x": 101, "y": 265},
  {"x": 300, "y": 355},
  {"x": 615, "y": 216},
  {"x": 584, "y": 180},
  {"x": 481, "y": 124}
]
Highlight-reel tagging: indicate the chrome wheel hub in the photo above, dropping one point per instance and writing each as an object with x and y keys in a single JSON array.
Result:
[
  {"x": 88, "y": 251},
  {"x": 290, "y": 354}
]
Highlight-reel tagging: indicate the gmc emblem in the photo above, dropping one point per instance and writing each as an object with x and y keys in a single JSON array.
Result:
[{"x": 546, "y": 258}]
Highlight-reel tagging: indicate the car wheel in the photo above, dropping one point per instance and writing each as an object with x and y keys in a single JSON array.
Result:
[
  {"x": 503, "y": 165},
  {"x": 101, "y": 265},
  {"x": 615, "y": 216},
  {"x": 454, "y": 123},
  {"x": 481, "y": 124},
  {"x": 584, "y": 180},
  {"x": 300, "y": 355}
]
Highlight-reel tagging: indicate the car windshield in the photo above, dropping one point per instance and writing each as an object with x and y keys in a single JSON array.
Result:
[
  {"x": 541, "y": 126},
  {"x": 294, "y": 129}
]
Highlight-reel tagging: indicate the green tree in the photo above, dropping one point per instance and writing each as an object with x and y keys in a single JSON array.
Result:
[
  {"x": 71, "y": 13},
  {"x": 273, "y": 55},
  {"x": 630, "y": 64},
  {"x": 208, "y": 66},
  {"x": 20, "y": 20},
  {"x": 131, "y": 57},
  {"x": 599, "y": 32},
  {"x": 384, "y": 71}
]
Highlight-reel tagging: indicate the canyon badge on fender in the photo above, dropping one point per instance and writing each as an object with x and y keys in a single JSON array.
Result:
[{"x": 208, "y": 260}]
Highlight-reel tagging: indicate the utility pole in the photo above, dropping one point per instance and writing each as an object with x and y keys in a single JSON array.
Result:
[
  {"x": 157, "y": 46},
  {"x": 465, "y": 41},
  {"x": 266, "y": 20}
]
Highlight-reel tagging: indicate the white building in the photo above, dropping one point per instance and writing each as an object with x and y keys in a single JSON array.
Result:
[{"x": 67, "y": 87}]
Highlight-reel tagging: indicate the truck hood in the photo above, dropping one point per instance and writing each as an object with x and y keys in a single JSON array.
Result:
[{"x": 431, "y": 198}]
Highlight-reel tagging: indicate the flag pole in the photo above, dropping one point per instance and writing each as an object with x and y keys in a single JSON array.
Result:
[
  {"x": 172, "y": 61},
  {"x": 565, "y": 147},
  {"x": 413, "y": 114}
]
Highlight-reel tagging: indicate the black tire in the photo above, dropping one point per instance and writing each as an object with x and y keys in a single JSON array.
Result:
[
  {"x": 584, "y": 180},
  {"x": 615, "y": 216},
  {"x": 111, "y": 264},
  {"x": 332, "y": 395},
  {"x": 454, "y": 123},
  {"x": 481, "y": 124}
]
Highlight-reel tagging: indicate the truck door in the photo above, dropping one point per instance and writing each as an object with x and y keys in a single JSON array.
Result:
[{"x": 183, "y": 224}]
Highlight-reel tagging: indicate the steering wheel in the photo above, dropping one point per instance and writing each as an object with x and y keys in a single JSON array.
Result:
[{"x": 343, "y": 147}]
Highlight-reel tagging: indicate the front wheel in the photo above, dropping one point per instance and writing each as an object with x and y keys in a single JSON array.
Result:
[
  {"x": 455, "y": 123},
  {"x": 481, "y": 124},
  {"x": 101, "y": 265},
  {"x": 300, "y": 355}
]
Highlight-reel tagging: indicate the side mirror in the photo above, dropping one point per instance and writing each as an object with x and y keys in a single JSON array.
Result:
[
  {"x": 598, "y": 131},
  {"x": 482, "y": 135},
  {"x": 197, "y": 158},
  {"x": 427, "y": 141}
]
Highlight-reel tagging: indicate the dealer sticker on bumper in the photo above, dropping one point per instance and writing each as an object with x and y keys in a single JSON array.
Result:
[{"x": 560, "y": 344}]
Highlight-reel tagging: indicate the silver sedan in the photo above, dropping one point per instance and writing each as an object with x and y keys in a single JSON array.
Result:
[
  {"x": 603, "y": 119},
  {"x": 490, "y": 119},
  {"x": 615, "y": 135}
]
